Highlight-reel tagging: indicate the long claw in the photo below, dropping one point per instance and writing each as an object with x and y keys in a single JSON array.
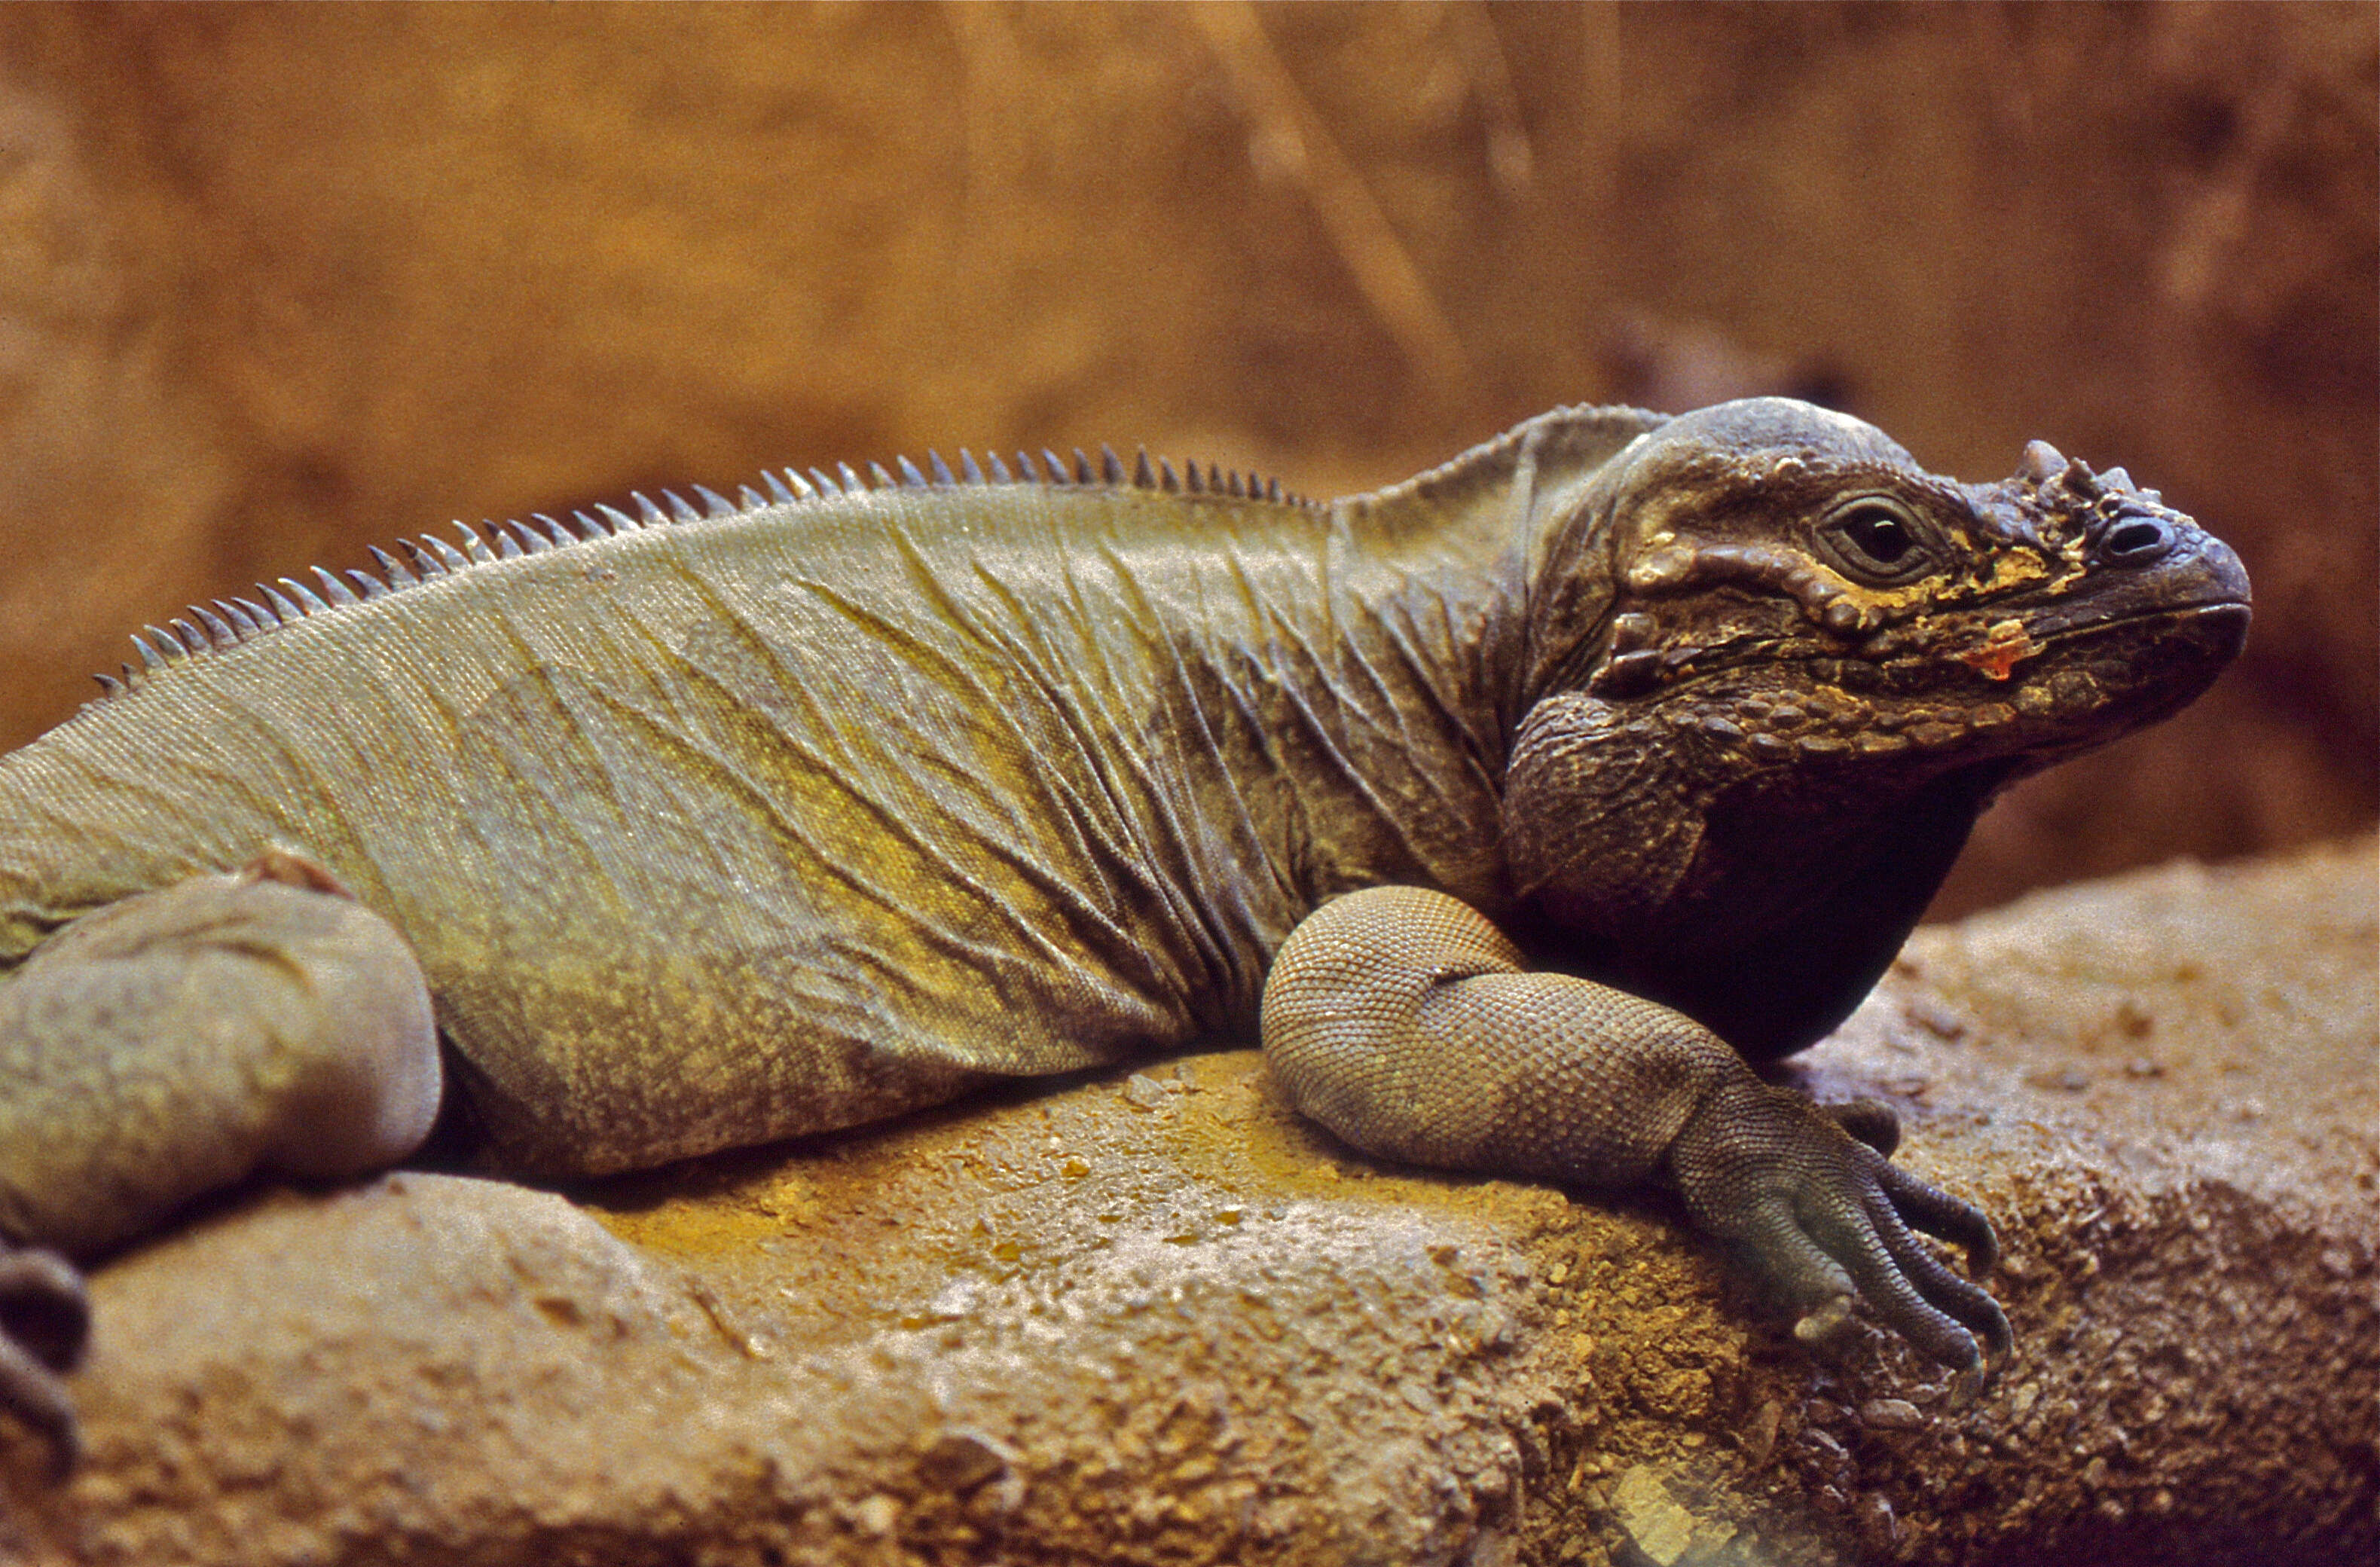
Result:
[
  {"x": 37, "y": 1395},
  {"x": 1968, "y": 1383},
  {"x": 45, "y": 1328},
  {"x": 44, "y": 1308},
  {"x": 1939, "y": 1214}
]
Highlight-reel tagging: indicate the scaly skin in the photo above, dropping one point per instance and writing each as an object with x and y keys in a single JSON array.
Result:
[{"x": 706, "y": 833}]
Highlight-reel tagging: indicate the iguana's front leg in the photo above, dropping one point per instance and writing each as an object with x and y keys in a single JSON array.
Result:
[
  {"x": 174, "y": 1043},
  {"x": 1403, "y": 1020}
]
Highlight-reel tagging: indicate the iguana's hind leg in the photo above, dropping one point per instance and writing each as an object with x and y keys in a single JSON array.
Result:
[
  {"x": 178, "y": 1042},
  {"x": 1403, "y": 1020}
]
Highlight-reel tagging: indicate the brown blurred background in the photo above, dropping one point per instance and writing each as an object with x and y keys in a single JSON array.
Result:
[{"x": 275, "y": 283}]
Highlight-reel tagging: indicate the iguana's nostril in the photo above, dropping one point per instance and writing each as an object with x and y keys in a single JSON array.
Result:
[{"x": 2136, "y": 540}]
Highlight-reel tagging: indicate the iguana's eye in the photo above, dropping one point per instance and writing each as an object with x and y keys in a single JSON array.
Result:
[{"x": 1877, "y": 539}]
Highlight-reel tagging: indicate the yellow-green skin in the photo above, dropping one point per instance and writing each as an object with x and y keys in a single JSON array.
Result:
[
  {"x": 1646, "y": 739},
  {"x": 711, "y": 833}
]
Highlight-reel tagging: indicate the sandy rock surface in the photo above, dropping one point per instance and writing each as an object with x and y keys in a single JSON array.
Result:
[{"x": 1152, "y": 1318}]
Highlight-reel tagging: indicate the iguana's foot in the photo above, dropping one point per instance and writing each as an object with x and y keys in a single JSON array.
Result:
[
  {"x": 178, "y": 1042},
  {"x": 1804, "y": 1190},
  {"x": 44, "y": 1324}
]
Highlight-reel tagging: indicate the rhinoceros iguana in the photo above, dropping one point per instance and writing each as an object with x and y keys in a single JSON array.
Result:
[{"x": 1528, "y": 801}]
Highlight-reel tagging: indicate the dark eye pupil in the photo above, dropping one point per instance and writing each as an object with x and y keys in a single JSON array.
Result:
[{"x": 1880, "y": 534}]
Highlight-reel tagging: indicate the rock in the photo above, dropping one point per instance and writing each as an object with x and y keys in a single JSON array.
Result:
[
  {"x": 963, "y": 1460},
  {"x": 1655, "y": 1523},
  {"x": 1891, "y": 1414},
  {"x": 1052, "y": 1327},
  {"x": 1143, "y": 1092}
]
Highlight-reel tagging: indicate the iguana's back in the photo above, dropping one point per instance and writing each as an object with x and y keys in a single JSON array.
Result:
[{"x": 718, "y": 829}]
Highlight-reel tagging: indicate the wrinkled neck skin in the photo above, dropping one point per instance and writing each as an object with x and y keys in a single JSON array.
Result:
[{"x": 1359, "y": 737}]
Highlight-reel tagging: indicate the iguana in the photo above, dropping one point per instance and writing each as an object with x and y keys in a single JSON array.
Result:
[{"x": 1551, "y": 788}]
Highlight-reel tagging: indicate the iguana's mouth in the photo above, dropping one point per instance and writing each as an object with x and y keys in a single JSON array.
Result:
[
  {"x": 2215, "y": 630},
  {"x": 2070, "y": 689},
  {"x": 2209, "y": 616},
  {"x": 2209, "y": 633},
  {"x": 2185, "y": 645}
]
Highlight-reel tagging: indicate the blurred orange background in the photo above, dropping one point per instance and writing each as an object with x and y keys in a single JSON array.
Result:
[{"x": 279, "y": 282}]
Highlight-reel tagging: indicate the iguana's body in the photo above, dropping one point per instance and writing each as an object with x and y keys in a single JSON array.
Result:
[{"x": 711, "y": 832}]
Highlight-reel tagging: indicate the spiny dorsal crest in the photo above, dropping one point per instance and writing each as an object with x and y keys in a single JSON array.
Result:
[
  {"x": 230, "y": 623},
  {"x": 1562, "y": 443}
]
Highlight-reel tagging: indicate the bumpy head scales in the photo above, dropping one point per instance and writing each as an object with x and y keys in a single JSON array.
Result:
[
  {"x": 1767, "y": 596},
  {"x": 1769, "y": 532},
  {"x": 2061, "y": 505}
]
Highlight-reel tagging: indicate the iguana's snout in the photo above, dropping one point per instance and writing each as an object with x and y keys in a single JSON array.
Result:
[
  {"x": 2123, "y": 551},
  {"x": 2137, "y": 611}
]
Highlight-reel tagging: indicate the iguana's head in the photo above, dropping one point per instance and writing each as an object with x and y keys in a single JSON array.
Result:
[{"x": 1765, "y": 593}]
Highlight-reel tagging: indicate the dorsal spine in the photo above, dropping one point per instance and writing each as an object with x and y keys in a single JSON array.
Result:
[{"x": 239, "y": 621}]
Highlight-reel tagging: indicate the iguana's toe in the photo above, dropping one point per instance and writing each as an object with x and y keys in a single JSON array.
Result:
[
  {"x": 1870, "y": 1121},
  {"x": 44, "y": 1327},
  {"x": 1823, "y": 1215},
  {"x": 1939, "y": 1214},
  {"x": 1901, "y": 1280}
]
